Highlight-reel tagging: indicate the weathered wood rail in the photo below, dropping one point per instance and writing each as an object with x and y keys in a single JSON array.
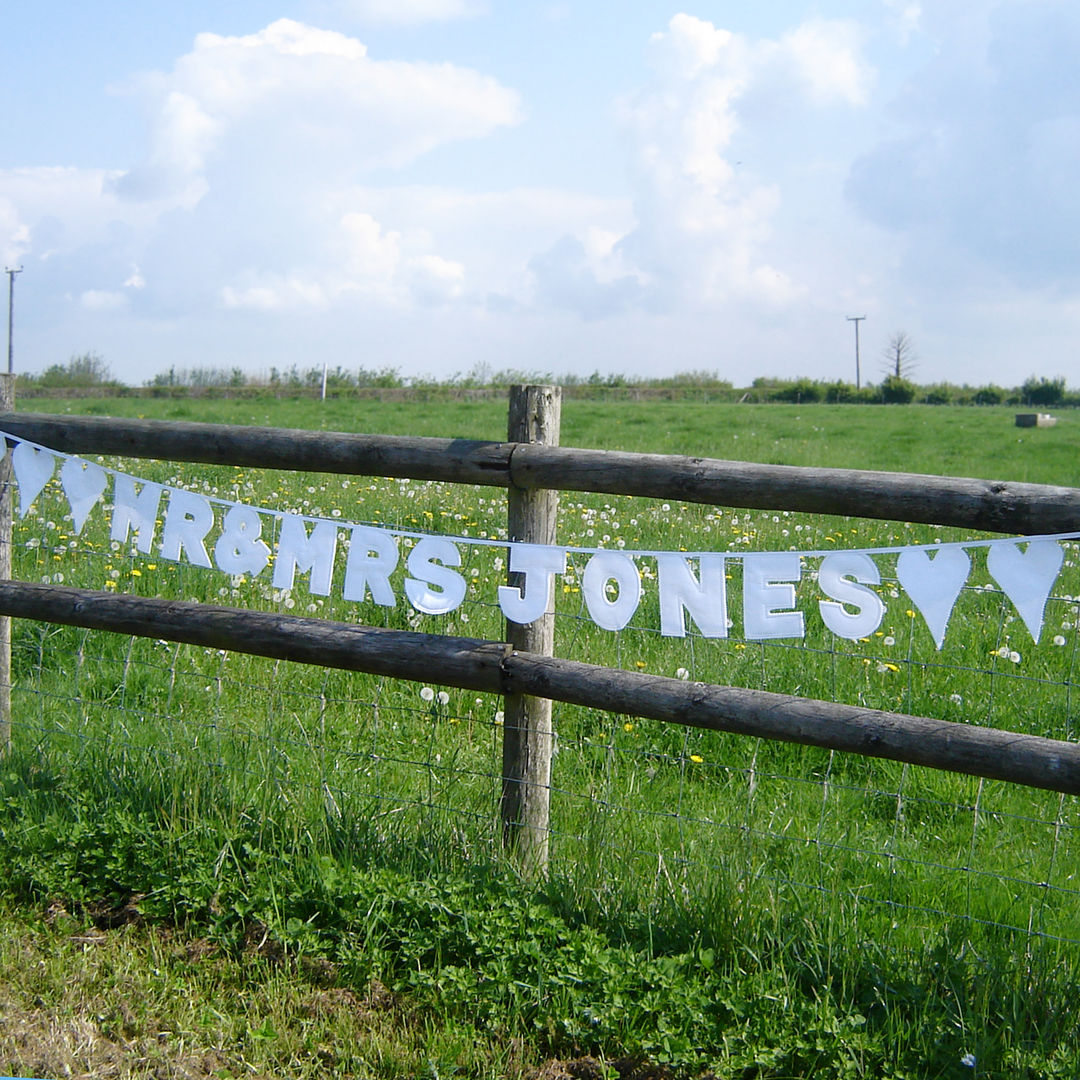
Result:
[
  {"x": 474, "y": 664},
  {"x": 987, "y": 505},
  {"x": 523, "y": 670}
]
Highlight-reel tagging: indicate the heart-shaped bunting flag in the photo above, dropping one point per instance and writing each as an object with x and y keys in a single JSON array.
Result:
[
  {"x": 934, "y": 584},
  {"x": 84, "y": 484},
  {"x": 33, "y": 470},
  {"x": 1027, "y": 577}
]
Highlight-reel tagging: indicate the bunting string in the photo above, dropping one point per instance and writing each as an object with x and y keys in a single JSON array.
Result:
[{"x": 692, "y": 586}]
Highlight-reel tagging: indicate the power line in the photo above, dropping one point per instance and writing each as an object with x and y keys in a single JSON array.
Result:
[
  {"x": 856, "y": 319},
  {"x": 11, "y": 272}
]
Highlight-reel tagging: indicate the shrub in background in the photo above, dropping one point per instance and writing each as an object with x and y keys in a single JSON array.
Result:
[
  {"x": 898, "y": 391},
  {"x": 1042, "y": 391}
]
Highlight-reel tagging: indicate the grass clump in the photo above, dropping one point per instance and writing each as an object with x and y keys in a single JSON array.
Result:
[{"x": 723, "y": 977}]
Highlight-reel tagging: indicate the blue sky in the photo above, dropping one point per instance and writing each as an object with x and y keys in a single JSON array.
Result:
[{"x": 643, "y": 188}]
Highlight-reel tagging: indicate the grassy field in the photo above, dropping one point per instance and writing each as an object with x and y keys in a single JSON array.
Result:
[{"x": 325, "y": 845}]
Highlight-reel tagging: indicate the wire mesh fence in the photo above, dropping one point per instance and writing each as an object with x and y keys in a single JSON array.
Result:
[{"x": 308, "y": 748}]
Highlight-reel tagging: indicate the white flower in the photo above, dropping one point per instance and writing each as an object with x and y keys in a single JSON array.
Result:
[
  {"x": 1014, "y": 657},
  {"x": 682, "y": 673},
  {"x": 1058, "y": 639},
  {"x": 427, "y": 694},
  {"x": 888, "y": 640},
  {"x": 968, "y": 1060},
  {"x": 442, "y": 697},
  {"x": 956, "y": 699}
]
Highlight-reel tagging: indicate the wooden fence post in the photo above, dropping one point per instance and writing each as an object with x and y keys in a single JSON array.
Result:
[
  {"x": 7, "y": 510},
  {"x": 534, "y": 417}
]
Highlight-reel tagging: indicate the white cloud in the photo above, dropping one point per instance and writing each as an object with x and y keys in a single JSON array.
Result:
[
  {"x": 14, "y": 233},
  {"x": 247, "y": 197},
  {"x": 825, "y": 57},
  {"x": 411, "y": 12},
  {"x": 103, "y": 300},
  {"x": 907, "y": 15},
  {"x": 307, "y": 101},
  {"x": 435, "y": 281},
  {"x": 704, "y": 223}
]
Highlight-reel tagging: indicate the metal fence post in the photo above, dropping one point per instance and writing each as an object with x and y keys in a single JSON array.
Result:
[
  {"x": 534, "y": 417},
  {"x": 7, "y": 507}
]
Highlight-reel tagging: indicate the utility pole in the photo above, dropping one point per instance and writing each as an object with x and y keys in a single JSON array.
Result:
[
  {"x": 856, "y": 319},
  {"x": 11, "y": 272}
]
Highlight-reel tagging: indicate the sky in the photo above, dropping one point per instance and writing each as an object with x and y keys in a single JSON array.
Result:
[{"x": 453, "y": 186}]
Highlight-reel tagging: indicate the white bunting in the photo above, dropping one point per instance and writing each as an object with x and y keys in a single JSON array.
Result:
[
  {"x": 187, "y": 521},
  {"x": 539, "y": 565},
  {"x": 83, "y": 484},
  {"x": 843, "y": 576},
  {"x": 314, "y": 554},
  {"x": 769, "y": 596},
  {"x": 434, "y": 588},
  {"x": 238, "y": 549},
  {"x": 680, "y": 591},
  {"x": 934, "y": 584},
  {"x": 33, "y": 470},
  {"x": 373, "y": 554},
  {"x": 689, "y": 584},
  {"x": 1027, "y": 577},
  {"x": 135, "y": 510},
  {"x": 607, "y": 566}
]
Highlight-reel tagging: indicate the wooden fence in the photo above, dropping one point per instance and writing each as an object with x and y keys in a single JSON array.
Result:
[{"x": 522, "y": 668}]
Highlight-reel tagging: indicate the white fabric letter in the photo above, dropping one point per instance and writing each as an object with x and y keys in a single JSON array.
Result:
[
  {"x": 84, "y": 484},
  {"x": 1027, "y": 577},
  {"x": 835, "y": 579},
  {"x": 373, "y": 554},
  {"x": 607, "y": 566},
  {"x": 934, "y": 584},
  {"x": 539, "y": 564},
  {"x": 424, "y": 565},
  {"x": 706, "y": 601},
  {"x": 134, "y": 510},
  {"x": 238, "y": 549},
  {"x": 189, "y": 518},
  {"x": 769, "y": 593},
  {"x": 33, "y": 470},
  {"x": 299, "y": 551}
]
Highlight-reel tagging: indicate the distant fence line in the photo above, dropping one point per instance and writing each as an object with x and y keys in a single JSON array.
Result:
[{"x": 533, "y": 467}]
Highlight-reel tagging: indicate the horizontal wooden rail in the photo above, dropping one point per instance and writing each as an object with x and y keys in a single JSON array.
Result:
[
  {"x": 462, "y": 461},
  {"x": 488, "y": 666},
  {"x": 988, "y": 505}
]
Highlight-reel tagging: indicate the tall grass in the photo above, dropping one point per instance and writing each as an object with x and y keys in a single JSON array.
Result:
[{"x": 715, "y": 901}]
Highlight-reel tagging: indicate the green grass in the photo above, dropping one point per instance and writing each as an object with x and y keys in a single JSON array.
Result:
[
  {"x": 716, "y": 902},
  {"x": 979, "y": 442}
]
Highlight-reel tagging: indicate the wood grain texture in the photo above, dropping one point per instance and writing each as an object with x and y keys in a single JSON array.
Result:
[
  {"x": 7, "y": 514},
  {"x": 534, "y": 416},
  {"x": 988, "y": 505},
  {"x": 464, "y": 461},
  {"x": 473, "y": 664}
]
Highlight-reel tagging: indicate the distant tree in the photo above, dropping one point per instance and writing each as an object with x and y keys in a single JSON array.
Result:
[
  {"x": 1042, "y": 391},
  {"x": 900, "y": 356},
  {"x": 87, "y": 369},
  {"x": 896, "y": 390}
]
